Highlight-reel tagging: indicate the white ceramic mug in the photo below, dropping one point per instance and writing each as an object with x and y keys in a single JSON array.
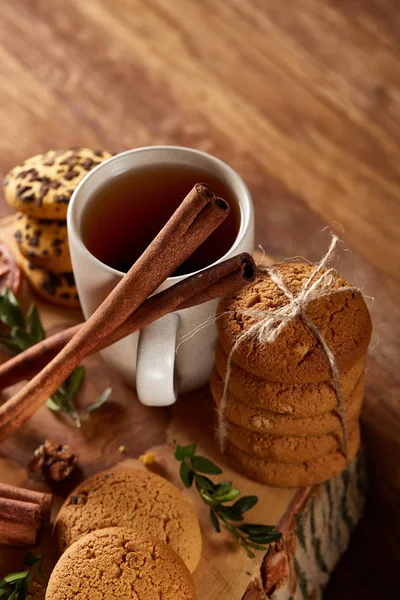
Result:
[{"x": 149, "y": 359}]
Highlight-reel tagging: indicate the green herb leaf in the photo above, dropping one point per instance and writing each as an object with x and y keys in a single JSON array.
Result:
[
  {"x": 9, "y": 345},
  {"x": 204, "y": 465},
  {"x": 256, "y": 546},
  {"x": 99, "y": 402},
  {"x": 15, "y": 586},
  {"x": 256, "y": 529},
  {"x": 22, "y": 586},
  {"x": 205, "y": 483},
  {"x": 9, "y": 295},
  {"x": 62, "y": 390},
  {"x": 215, "y": 521},
  {"x": 40, "y": 571},
  {"x": 52, "y": 404},
  {"x": 265, "y": 538},
  {"x": 244, "y": 504},
  {"x": 75, "y": 380},
  {"x": 186, "y": 474},
  {"x": 34, "y": 324},
  {"x": 229, "y": 512},
  {"x": 224, "y": 486},
  {"x": 31, "y": 559},
  {"x": 226, "y": 495},
  {"x": 10, "y": 312},
  {"x": 182, "y": 452},
  {"x": 59, "y": 400},
  {"x": 22, "y": 338},
  {"x": 205, "y": 496},
  {"x": 13, "y": 577}
]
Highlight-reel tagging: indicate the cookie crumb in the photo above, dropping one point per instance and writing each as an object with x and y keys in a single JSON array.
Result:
[
  {"x": 148, "y": 458},
  {"x": 122, "y": 449}
]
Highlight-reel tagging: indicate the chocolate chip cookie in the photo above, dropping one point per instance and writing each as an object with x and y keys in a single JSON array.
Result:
[
  {"x": 58, "y": 288},
  {"x": 42, "y": 185},
  {"x": 43, "y": 243}
]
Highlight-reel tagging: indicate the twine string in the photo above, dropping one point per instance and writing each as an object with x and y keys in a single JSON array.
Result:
[{"x": 269, "y": 325}]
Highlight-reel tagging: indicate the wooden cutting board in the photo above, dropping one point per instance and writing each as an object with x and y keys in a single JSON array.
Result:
[{"x": 316, "y": 523}]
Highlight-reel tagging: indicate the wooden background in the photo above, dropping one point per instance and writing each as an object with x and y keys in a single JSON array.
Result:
[{"x": 302, "y": 98}]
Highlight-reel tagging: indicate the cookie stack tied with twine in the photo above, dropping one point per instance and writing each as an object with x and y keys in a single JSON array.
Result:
[
  {"x": 40, "y": 189},
  {"x": 288, "y": 379}
]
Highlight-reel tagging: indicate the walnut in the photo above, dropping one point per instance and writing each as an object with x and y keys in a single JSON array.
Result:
[{"x": 56, "y": 461}]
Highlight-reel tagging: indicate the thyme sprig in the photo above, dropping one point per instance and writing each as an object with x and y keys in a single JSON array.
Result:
[
  {"x": 193, "y": 469},
  {"x": 63, "y": 398},
  {"x": 22, "y": 332},
  {"x": 15, "y": 586}
]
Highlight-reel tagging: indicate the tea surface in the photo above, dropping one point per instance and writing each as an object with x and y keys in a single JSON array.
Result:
[{"x": 126, "y": 214}]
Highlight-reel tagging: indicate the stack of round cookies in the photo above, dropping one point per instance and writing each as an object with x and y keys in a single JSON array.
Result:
[
  {"x": 281, "y": 421},
  {"x": 40, "y": 189}
]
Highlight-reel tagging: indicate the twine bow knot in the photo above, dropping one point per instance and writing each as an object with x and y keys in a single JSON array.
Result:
[{"x": 270, "y": 324}]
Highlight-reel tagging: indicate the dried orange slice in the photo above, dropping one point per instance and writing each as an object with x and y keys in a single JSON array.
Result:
[{"x": 10, "y": 275}]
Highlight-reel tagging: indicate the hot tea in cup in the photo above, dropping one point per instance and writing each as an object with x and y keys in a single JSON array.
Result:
[
  {"x": 114, "y": 214},
  {"x": 125, "y": 214}
]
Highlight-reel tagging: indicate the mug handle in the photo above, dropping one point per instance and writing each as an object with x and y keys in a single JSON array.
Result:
[{"x": 155, "y": 367}]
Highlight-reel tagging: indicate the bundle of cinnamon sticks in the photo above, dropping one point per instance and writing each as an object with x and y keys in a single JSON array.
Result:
[
  {"x": 22, "y": 513},
  {"x": 128, "y": 307}
]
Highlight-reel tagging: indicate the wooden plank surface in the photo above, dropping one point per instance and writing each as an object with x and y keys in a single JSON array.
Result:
[{"x": 302, "y": 98}]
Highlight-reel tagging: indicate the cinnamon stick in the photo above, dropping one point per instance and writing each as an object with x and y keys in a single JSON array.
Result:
[
  {"x": 197, "y": 289},
  {"x": 13, "y": 533},
  {"x": 29, "y": 362},
  {"x": 229, "y": 276},
  {"x": 214, "y": 282},
  {"x": 17, "y": 510},
  {"x": 198, "y": 215},
  {"x": 43, "y": 500},
  {"x": 21, "y": 514}
]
